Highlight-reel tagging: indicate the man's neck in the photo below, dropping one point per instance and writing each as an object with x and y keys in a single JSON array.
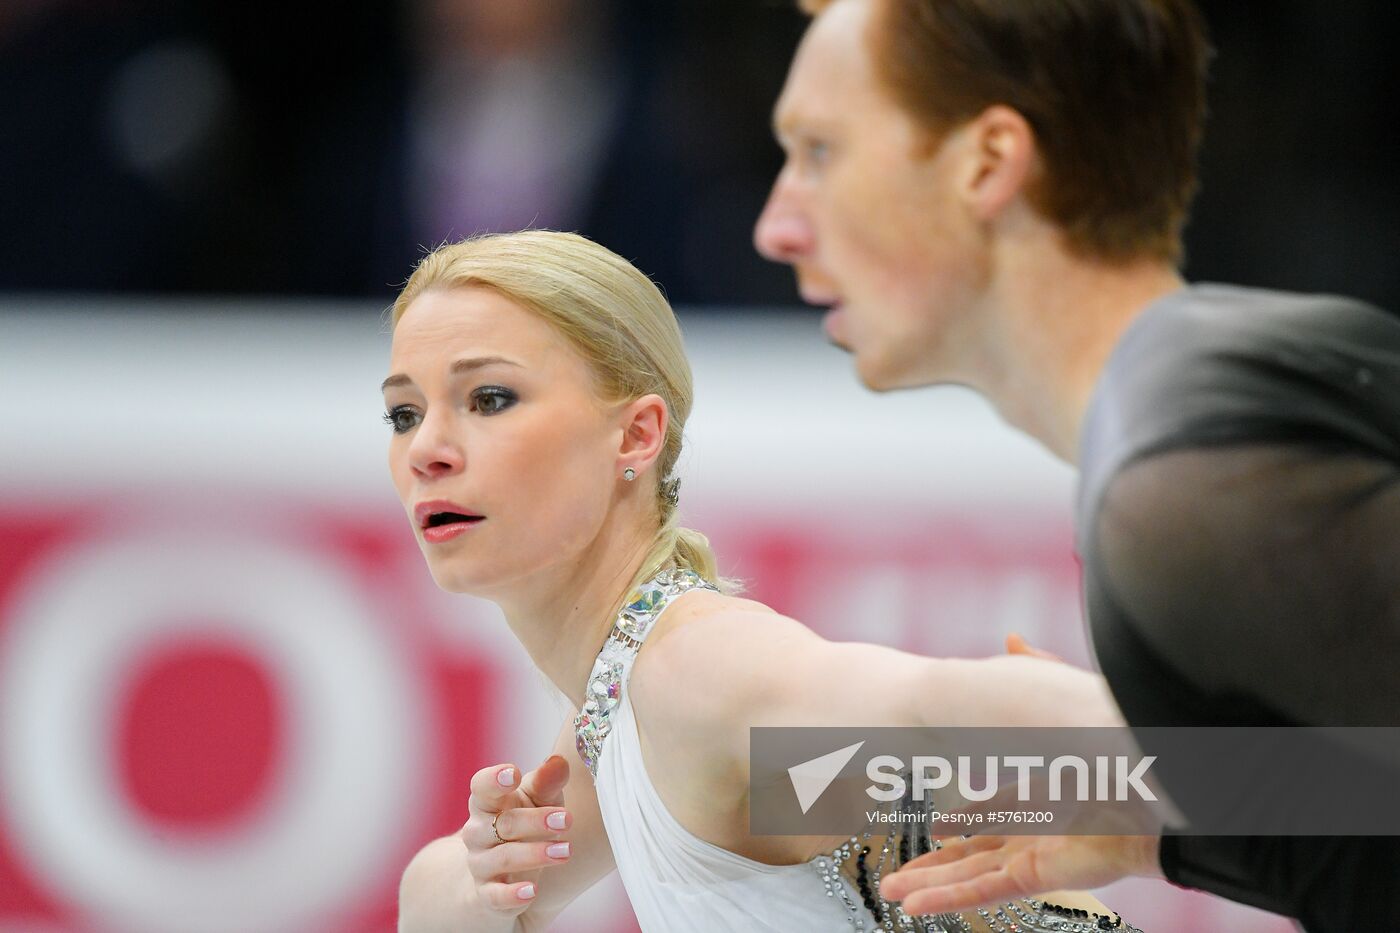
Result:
[{"x": 1058, "y": 321}]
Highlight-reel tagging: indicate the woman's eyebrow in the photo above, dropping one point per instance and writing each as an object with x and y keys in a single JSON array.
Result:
[{"x": 457, "y": 368}]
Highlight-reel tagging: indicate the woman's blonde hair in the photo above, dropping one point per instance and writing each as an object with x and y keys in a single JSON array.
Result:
[{"x": 617, "y": 320}]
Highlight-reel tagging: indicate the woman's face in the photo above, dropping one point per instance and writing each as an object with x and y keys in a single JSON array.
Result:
[{"x": 502, "y": 454}]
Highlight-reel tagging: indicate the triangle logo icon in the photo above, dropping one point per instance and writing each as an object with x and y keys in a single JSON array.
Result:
[{"x": 811, "y": 778}]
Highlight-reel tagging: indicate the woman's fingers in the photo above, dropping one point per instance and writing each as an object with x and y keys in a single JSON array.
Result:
[
  {"x": 493, "y": 789},
  {"x": 531, "y": 824},
  {"x": 515, "y": 857},
  {"x": 501, "y": 806},
  {"x": 507, "y": 897},
  {"x": 513, "y": 828},
  {"x": 520, "y": 824},
  {"x": 545, "y": 784},
  {"x": 492, "y": 794}
]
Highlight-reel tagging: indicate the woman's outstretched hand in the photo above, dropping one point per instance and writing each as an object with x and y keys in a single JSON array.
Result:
[{"x": 516, "y": 829}]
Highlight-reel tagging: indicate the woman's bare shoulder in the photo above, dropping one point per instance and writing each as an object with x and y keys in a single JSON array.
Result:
[
  {"x": 705, "y": 620},
  {"x": 709, "y": 636},
  {"x": 706, "y": 651}
]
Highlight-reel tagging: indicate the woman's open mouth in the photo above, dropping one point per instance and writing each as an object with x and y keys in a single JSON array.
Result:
[
  {"x": 441, "y": 520},
  {"x": 444, "y": 526}
]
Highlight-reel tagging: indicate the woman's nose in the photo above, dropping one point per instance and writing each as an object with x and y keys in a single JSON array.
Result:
[
  {"x": 783, "y": 232},
  {"x": 434, "y": 453}
]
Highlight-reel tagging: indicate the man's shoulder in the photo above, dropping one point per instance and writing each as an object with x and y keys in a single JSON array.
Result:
[
  {"x": 1208, "y": 332},
  {"x": 1208, "y": 317},
  {"x": 1217, "y": 364}
]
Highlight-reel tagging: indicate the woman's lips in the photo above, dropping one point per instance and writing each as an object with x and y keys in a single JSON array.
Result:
[
  {"x": 442, "y": 519},
  {"x": 437, "y": 534}
]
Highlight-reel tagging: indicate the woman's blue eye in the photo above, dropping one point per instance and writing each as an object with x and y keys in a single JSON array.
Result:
[
  {"x": 395, "y": 416},
  {"x": 492, "y": 399}
]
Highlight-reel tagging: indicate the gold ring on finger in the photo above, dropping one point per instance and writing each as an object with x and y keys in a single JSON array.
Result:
[{"x": 494, "y": 831}]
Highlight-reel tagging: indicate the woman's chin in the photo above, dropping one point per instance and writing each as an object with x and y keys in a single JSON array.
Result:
[
  {"x": 453, "y": 580},
  {"x": 493, "y": 578}
]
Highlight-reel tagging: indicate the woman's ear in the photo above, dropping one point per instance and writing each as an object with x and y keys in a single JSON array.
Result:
[{"x": 644, "y": 423}]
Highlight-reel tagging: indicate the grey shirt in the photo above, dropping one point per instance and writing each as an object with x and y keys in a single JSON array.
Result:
[{"x": 1239, "y": 526}]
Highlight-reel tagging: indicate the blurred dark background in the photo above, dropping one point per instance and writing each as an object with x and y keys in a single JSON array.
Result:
[{"x": 299, "y": 148}]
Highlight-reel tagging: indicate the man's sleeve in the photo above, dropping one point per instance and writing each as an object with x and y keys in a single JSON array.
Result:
[
  {"x": 1265, "y": 578},
  {"x": 1263, "y": 572},
  {"x": 1335, "y": 883}
]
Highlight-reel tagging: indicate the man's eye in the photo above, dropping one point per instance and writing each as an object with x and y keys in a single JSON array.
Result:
[
  {"x": 816, "y": 151},
  {"x": 401, "y": 418},
  {"x": 492, "y": 399}
]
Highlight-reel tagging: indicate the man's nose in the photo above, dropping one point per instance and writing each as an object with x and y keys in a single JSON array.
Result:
[{"x": 783, "y": 232}]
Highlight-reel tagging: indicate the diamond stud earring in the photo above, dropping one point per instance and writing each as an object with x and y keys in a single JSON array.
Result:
[{"x": 629, "y": 474}]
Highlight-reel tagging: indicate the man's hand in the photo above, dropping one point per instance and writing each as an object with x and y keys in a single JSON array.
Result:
[
  {"x": 1015, "y": 644},
  {"x": 985, "y": 870}
]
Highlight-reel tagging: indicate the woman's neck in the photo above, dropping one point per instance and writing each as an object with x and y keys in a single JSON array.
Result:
[{"x": 563, "y": 614}]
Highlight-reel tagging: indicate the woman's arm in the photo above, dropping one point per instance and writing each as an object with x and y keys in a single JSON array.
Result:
[
  {"x": 774, "y": 671},
  {"x": 724, "y": 668},
  {"x": 438, "y": 892}
]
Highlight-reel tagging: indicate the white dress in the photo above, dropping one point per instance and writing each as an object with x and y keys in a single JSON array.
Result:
[{"x": 678, "y": 882}]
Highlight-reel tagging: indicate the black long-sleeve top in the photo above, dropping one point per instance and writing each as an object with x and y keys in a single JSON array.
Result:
[{"x": 1239, "y": 529}]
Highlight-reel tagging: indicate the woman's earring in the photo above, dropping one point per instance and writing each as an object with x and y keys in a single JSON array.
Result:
[{"x": 629, "y": 474}]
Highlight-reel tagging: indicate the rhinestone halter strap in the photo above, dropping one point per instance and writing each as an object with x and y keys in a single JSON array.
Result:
[{"x": 604, "y": 690}]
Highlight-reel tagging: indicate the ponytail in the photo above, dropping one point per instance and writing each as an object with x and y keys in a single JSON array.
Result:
[{"x": 683, "y": 549}]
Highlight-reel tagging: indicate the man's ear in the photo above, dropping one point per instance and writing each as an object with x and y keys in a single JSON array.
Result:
[
  {"x": 998, "y": 154},
  {"x": 644, "y": 422}
]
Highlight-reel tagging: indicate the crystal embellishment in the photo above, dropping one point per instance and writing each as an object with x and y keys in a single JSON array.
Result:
[
  {"x": 641, "y": 608},
  {"x": 603, "y": 692}
]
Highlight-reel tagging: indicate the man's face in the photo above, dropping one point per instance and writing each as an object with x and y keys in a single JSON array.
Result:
[{"x": 865, "y": 210}]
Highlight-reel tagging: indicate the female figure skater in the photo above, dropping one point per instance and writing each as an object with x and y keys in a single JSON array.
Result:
[{"x": 538, "y": 394}]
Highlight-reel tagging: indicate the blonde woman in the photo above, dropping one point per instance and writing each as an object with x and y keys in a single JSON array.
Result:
[{"x": 537, "y": 397}]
